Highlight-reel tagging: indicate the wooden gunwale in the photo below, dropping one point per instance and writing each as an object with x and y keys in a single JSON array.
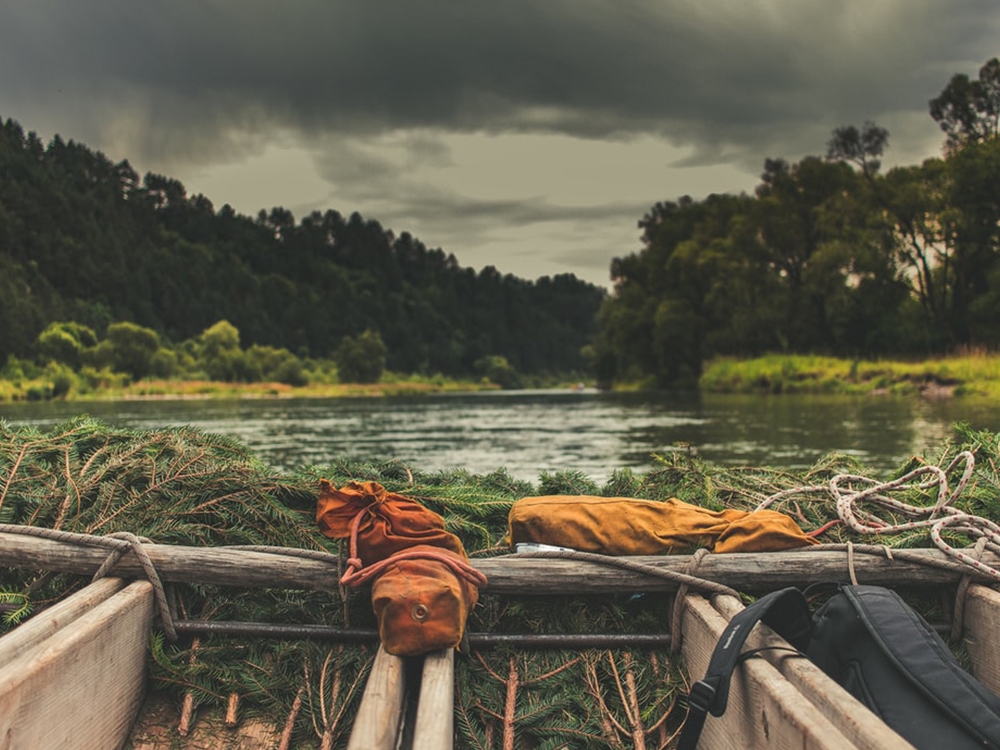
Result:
[
  {"x": 851, "y": 718},
  {"x": 765, "y": 709},
  {"x": 65, "y": 667}
]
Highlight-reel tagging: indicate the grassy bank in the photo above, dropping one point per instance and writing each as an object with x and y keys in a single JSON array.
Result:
[
  {"x": 44, "y": 389},
  {"x": 973, "y": 374}
]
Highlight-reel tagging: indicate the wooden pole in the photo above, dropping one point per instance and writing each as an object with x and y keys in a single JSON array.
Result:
[
  {"x": 377, "y": 723},
  {"x": 434, "y": 726},
  {"x": 187, "y": 705},
  {"x": 507, "y": 575},
  {"x": 232, "y": 707}
]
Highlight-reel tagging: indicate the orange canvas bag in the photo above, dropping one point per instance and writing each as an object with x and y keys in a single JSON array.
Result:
[
  {"x": 422, "y": 585},
  {"x": 631, "y": 526}
]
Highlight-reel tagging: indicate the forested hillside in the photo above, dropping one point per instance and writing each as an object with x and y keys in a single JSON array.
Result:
[
  {"x": 87, "y": 240},
  {"x": 830, "y": 256}
]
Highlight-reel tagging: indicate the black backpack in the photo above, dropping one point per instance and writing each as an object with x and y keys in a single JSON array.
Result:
[{"x": 880, "y": 650}]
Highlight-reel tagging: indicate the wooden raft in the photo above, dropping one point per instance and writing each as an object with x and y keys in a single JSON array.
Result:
[{"x": 75, "y": 675}]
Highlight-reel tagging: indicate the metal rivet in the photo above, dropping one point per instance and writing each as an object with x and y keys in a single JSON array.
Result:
[{"x": 419, "y": 612}]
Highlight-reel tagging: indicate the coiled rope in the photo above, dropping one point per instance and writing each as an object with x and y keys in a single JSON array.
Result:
[{"x": 935, "y": 518}]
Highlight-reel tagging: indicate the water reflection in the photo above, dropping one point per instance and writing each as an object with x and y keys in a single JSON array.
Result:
[{"x": 530, "y": 432}]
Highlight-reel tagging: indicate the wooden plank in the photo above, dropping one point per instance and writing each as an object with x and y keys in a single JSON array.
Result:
[
  {"x": 379, "y": 717},
  {"x": 764, "y": 710},
  {"x": 434, "y": 726},
  {"x": 82, "y": 687},
  {"x": 46, "y": 623},
  {"x": 857, "y": 723},
  {"x": 507, "y": 575},
  {"x": 982, "y": 615}
]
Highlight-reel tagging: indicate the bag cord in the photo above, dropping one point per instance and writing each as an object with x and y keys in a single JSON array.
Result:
[{"x": 357, "y": 573}]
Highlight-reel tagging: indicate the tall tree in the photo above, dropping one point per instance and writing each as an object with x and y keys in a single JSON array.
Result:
[
  {"x": 968, "y": 110},
  {"x": 863, "y": 147}
]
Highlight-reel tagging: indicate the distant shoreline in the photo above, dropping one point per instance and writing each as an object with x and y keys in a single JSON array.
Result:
[
  {"x": 196, "y": 390},
  {"x": 975, "y": 374}
]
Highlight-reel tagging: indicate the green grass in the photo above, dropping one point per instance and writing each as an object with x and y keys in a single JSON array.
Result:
[
  {"x": 42, "y": 389},
  {"x": 970, "y": 374}
]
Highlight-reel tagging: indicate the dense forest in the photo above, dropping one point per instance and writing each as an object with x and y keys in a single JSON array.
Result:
[
  {"x": 89, "y": 247},
  {"x": 830, "y": 256}
]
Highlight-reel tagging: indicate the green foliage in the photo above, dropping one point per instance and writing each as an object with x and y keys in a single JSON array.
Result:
[
  {"x": 93, "y": 379},
  {"x": 497, "y": 369},
  {"x": 91, "y": 241},
  {"x": 132, "y": 348},
  {"x": 361, "y": 359},
  {"x": 65, "y": 342},
  {"x": 823, "y": 260},
  {"x": 277, "y": 365},
  {"x": 61, "y": 377},
  {"x": 17, "y": 370},
  {"x": 21, "y": 606},
  {"x": 828, "y": 257},
  {"x": 219, "y": 339},
  {"x": 163, "y": 363},
  {"x": 967, "y": 110}
]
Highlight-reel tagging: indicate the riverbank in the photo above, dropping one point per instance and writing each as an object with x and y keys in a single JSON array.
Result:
[
  {"x": 975, "y": 374},
  {"x": 969, "y": 375},
  {"x": 147, "y": 390}
]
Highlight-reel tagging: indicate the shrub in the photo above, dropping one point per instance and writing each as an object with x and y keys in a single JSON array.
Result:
[
  {"x": 361, "y": 359},
  {"x": 132, "y": 348},
  {"x": 498, "y": 370}
]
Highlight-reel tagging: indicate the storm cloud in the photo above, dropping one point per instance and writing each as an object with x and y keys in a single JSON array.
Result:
[{"x": 376, "y": 91}]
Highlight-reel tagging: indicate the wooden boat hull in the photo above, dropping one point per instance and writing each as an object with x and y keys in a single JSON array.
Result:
[{"x": 74, "y": 676}]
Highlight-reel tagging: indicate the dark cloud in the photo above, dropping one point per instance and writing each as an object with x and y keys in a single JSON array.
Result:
[
  {"x": 728, "y": 77},
  {"x": 373, "y": 88}
]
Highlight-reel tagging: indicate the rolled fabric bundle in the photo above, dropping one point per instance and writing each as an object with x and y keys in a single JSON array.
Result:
[
  {"x": 633, "y": 526},
  {"x": 422, "y": 585}
]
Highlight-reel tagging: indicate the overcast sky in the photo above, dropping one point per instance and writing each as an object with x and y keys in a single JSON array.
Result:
[{"x": 531, "y": 135}]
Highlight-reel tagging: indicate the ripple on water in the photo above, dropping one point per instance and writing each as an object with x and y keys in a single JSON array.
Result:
[{"x": 543, "y": 431}]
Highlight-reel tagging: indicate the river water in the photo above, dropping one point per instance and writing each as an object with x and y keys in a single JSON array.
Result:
[{"x": 530, "y": 432}]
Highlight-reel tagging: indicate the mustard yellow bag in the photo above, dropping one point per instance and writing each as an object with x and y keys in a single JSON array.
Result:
[{"x": 631, "y": 526}]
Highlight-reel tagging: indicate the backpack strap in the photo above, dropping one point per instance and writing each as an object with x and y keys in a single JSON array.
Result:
[{"x": 785, "y": 611}]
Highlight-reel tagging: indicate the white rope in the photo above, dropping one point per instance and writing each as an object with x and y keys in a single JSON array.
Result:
[{"x": 935, "y": 518}]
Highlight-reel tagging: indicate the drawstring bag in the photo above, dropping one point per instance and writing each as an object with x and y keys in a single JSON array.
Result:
[
  {"x": 422, "y": 585},
  {"x": 631, "y": 526}
]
